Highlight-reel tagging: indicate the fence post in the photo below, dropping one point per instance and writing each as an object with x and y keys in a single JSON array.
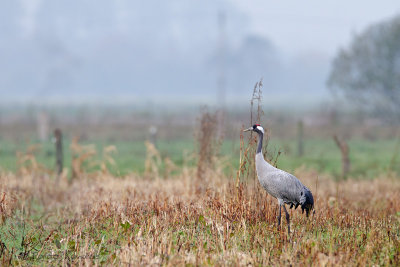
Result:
[{"x": 59, "y": 152}]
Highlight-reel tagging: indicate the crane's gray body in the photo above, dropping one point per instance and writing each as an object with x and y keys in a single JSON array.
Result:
[{"x": 282, "y": 185}]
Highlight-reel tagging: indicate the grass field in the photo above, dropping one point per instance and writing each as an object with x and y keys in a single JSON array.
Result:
[
  {"x": 152, "y": 208},
  {"x": 368, "y": 159},
  {"x": 102, "y": 219}
]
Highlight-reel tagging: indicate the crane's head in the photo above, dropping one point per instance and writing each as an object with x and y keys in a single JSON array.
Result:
[{"x": 255, "y": 128}]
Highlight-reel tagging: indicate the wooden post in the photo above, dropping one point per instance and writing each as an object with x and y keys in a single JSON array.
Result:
[
  {"x": 300, "y": 144},
  {"x": 59, "y": 152},
  {"x": 344, "y": 148}
]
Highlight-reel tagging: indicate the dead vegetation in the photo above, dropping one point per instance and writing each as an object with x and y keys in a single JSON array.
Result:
[
  {"x": 161, "y": 218},
  {"x": 166, "y": 220},
  {"x": 208, "y": 143},
  {"x": 344, "y": 149}
]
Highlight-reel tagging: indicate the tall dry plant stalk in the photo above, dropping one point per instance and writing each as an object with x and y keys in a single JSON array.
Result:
[
  {"x": 256, "y": 97},
  {"x": 84, "y": 159},
  {"x": 247, "y": 169},
  {"x": 80, "y": 154},
  {"x": 27, "y": 163},
  {"x": 247, "y": 150},
  {"x": 156, "y": 166},
  {"x": 7, "y": 205},
  {"x": 170, "y": 167},
  {"x": 209, "y": 143},
  {"x": 153, "y": 161},
  {"x": 107, "y": 159}
]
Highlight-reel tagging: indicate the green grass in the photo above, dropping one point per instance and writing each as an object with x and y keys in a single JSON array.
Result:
[
  {"x": 368, "y": 158},
  {"x": 25, "y": 236}
]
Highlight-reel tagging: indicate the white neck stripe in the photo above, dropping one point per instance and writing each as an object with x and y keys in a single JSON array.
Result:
[{"x": 260, "y": 129}]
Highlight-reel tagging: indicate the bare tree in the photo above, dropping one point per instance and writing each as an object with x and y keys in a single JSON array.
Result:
[{"x": 344, "y": 149}]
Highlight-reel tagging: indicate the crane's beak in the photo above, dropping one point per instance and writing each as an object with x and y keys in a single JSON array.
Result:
[{"x": 248, "y": 129}]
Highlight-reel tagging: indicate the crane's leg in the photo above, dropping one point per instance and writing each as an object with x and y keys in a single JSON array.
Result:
[
  {"x": 279, "y": 216},
  {"x": 287, "y": 219}
]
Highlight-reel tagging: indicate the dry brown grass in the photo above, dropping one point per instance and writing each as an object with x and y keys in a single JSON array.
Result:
[
  {"x": 190, "y": 215},
  {"x": 208, "y": 143},
  {"x": 131, "y": 220}
]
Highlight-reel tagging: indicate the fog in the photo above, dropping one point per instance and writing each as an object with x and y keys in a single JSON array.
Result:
[{"x": 175, "y": 52}]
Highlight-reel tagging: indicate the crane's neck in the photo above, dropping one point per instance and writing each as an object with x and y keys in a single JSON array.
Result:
[
  {"x": 260, "y": 161},
  {"x": 260, "y": 142}
]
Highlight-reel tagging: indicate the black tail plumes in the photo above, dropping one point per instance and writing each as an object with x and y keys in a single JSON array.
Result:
[{"x": 307, "y": 201}]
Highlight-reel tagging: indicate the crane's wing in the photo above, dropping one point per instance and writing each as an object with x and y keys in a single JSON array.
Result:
[
  {"x": 287, "y": 187},
  {"x": 284, "y": 186}
]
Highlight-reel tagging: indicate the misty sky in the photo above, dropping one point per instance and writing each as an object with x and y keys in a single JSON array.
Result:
[
  {"x": 319, "y": 26},
  {"x": 163, "y": 51}
]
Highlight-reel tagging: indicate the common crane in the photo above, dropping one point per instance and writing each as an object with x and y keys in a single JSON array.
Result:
[{"x": 282, "y": 185}]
